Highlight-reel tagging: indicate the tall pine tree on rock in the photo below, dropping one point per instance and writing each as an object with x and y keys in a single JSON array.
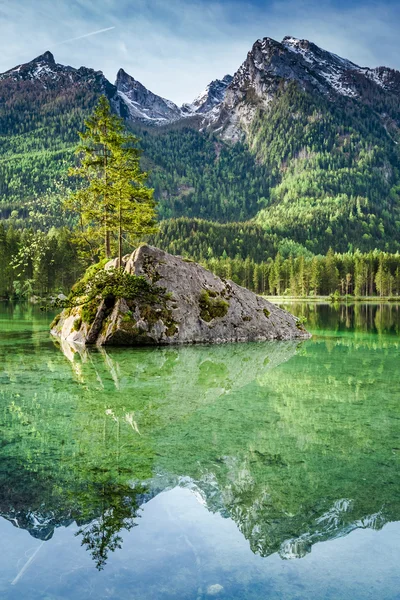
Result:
[{"x": 115, "y": 199}]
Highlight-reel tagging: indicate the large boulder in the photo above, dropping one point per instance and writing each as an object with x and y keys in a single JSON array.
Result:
[{"x": 188, "y": 304}]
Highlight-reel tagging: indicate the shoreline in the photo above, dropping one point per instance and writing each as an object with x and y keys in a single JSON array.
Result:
[{"x": 329, "y": 300}]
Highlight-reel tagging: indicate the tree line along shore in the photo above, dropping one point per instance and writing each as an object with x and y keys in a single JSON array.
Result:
[{"x": 39, "y": 263}]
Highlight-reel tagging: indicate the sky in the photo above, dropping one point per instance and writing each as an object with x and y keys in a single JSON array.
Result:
[{"x": 176, "y": 47}]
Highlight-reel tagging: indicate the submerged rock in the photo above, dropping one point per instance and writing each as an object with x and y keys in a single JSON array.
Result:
[{"x": 182, "y": 304}]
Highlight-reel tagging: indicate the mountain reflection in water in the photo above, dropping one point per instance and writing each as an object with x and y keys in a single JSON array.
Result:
[{"x": 295, "y": 443}]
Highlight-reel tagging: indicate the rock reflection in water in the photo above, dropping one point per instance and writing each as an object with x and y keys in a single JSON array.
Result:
[{"x": 296, "y": 444}]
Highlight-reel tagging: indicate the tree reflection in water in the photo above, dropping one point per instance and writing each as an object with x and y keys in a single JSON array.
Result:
[{"x": 295, "y": 443}]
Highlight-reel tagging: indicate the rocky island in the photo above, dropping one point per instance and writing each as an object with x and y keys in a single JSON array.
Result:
[{"x": 156, "y": 298}]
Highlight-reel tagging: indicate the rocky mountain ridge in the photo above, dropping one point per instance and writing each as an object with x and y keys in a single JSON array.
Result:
[
  {"x": 45, "y": 71},
  {"x": 227, "y": 106},
  {"x": 271, "y": 64}
]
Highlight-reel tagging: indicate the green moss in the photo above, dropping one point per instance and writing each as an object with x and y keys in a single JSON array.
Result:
[
  {"x": 104, "y": 326},
  {"x": 99, "y": 285},
  {"x": 171, "y": 330},
  {"x": 55, "y": 321},
  {"x": 89, "y": 274},
  {"x": 247, "y": 318},
  {"x": 150, "y": 314},
  {"x": 77, "y": 324},
  {"x": 89, "y": 311},
  {"x": 266, "y": 312},
  {"x": 135, "y": 335},
  {"x": 127, "y": 317},
  {"x": 300, "y": 322},
  {"x": 212, "y": 307}
]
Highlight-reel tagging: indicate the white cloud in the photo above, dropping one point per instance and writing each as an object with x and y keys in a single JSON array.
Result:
[{"x": 176, "y": 48}]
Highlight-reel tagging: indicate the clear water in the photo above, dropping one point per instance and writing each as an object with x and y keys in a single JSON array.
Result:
[{"x": 247, "y": 471}]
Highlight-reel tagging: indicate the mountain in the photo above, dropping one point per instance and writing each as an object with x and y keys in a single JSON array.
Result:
[
  {"x": 271, "y": 64},
  {"x": 300, "y": 142},
  {"x": 43, "y": 75},
  {"x": 149, "y": 108},
  {"x": 328, "y": 132},
  {"x": 44, "y": 71},
  {"x": 142, "y": 104},
  {"x": 42, "y": 106},
  {"x": 210, "y": 97}
]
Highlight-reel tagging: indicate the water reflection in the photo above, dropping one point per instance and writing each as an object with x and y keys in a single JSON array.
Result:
[
  {"x": 355, "y": 317},
  {"x": 295, "y": 443}
]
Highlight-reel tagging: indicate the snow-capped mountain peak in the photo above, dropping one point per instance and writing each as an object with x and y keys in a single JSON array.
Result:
[
  {"x": 145, "y": 106},
  {"x": 227, "y": 105},
  {"x": 44, "y": 71},
  {"x": 35, "y": 69},
  {"x": 270, "y": 63},
  {"x": 315, "y": 55},
  {"x": 212, "y": 95},
  {"x": 142, "y": 104}
]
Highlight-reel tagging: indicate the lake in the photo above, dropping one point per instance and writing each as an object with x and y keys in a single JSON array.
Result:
[{"x": 247, "y": 471}]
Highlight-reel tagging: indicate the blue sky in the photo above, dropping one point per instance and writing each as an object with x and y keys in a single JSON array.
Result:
[{"x": 175, "y": 47}]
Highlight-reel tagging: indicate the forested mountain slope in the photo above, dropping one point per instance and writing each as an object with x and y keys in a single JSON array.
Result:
[
  {"x": 334, "y": 169},
  {"x": 301, "y": 142},
  {"x": 42, "y": 106}
]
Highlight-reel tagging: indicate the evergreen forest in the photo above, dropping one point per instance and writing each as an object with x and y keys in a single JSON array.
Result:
[{"x": 307, "y": 203}]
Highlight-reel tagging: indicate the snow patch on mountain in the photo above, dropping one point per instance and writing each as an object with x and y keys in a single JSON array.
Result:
[
  {"x": 49, "y": 75},
  {"x": 142, "y": 104},
  {"x": 210, "y": 97},
  {"x": 315, "y": 70},
  {"x": 228, "y": 105}
]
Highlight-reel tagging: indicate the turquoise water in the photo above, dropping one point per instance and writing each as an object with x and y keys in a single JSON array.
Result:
[{"x": 246, "y": 471}]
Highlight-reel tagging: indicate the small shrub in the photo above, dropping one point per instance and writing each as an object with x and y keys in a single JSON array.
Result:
[
  {"x": 150, "y": 314},
  {"x": 335, "y": 297}
]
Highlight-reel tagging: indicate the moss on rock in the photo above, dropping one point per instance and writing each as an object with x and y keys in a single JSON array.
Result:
[
  {"x": 55, "y": 321},
  {"x": 77, "y": 324},
  {"x": 89, "y": 311},
  {"x": 212, "y": 306}
]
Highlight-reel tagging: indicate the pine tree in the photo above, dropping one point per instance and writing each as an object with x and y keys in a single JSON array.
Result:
[
  {"x": 292, "y": 278},
  {"x": 115, "y": 199},
  {"x": 134, "y": 204},
  {"x": 277, "y": 274},
  {"x": 315, "y": 276},
  {"x": 94, "y": 203},
  {"x": 331, "y": 272},
  {"x": 360, "y": 276}
]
